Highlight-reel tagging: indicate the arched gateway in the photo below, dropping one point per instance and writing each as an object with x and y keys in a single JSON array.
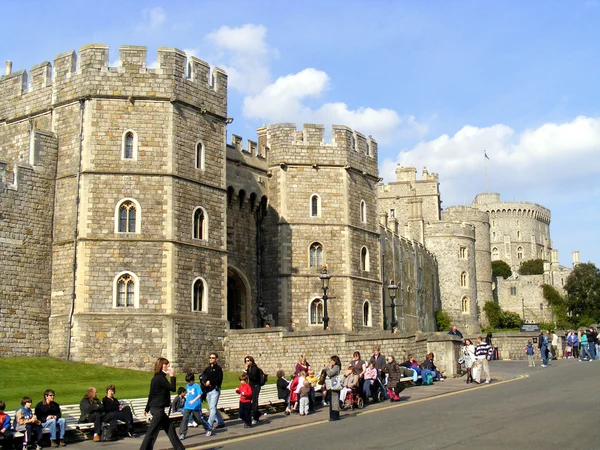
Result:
[{"x": 239, "y": 311}]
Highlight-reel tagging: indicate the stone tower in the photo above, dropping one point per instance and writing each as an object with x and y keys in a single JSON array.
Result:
[{"x": 322, "y": 212}]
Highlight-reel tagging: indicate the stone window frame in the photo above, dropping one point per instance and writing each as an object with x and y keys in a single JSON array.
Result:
[
  {"x": 199, "y": 155},
  {"x": 393, "y": 213},
  {"x": 136, "y": 291},
  {"x": 495, "y": 253},
  {"x": 311, "y": 205},
  {"x": 519, "y": 252},
  {"x": 464, "y": 279},
  {"x": 463, "y": 253},
  {"x": 465, "y": 305},
  {"x": 138, "y": 216},
  {"x": 204, "y": 300},
  {"x": 513, "y": 291},
  {"x": 363, "y": 211},
  {"x": 204, "y": 232},
  {"x": 316, "y": 262},
  {"x": 368, "y": 317},
  {"x": 134, "y": 153},
  {"x": 365, "y": 263},
  {"x": 315, "y": 305}
]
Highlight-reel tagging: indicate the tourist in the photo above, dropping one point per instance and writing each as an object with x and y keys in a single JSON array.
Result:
[
  {"x": 28, "y": 424},
  {"x": 48, "y": 413},
  {"x": 116, "y": 410},
  {"x": 584, "y": 346},
  {"x": 554, "y": 345},
  {"x": 468, "y": 356},
  {"x": 543, "y": 347},
  {"x": 91, "y": 412},
  {"x": 212, "y": 379},
  {"x": 158, "y": 399},
  {"x": 304, "y": 395},
  {"x": 529, "y": 353},
  {"x": 549, "y": 346},
  {"x": 359, "y": 366},
  {"x": 178, "y": 403},
  {"x": 394, "y": 372},
  {"x": 370, "y": 377},
  {"x": 454, "y": 332},
  {"x": 569, "y": 350},
  {"x": 297, "y": 385},
  {"x": 576, "y": 347},
  {"x": 428, "y": 364},
  {"x": 483, "y": 353},
  {"x": 592, "y": 337},
  {"x": 302, "y": 365},
  {"x": 246, "y": 396},
  {"x": 334, "y": 401},
  {"x": 5, "y": 428},
  {"x": 312, "y": 379},
  {"x": 283, "y": 390},
  {"x": 379, "y": 362},
  {"x": 349, "y": 382},
  {"x": 253, "y": 372},
  {"x": 192, "y": 407}
]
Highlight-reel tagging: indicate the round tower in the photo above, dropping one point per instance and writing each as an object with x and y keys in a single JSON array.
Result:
[
  {"x": 453, "y": 244},
  {"x": 483, "y": 262}
]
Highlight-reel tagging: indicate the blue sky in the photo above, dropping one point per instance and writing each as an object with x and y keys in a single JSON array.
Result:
[{"x": 434, "y": 82}]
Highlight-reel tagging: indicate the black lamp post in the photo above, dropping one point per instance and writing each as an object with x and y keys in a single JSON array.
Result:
[
  {"x": 324, "y": 276},
  {"x": 392, "y": 290}
]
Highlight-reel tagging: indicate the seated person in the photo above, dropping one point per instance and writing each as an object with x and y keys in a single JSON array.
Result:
[
  {"x": 370, "y": 378},
  {"x": 430, "y": 366},
  {"x": 5, "y": 428},
  {"x": 92, "y": 411},
  {"x": 283, "y": 390},
  {"x": 48, "y": 413},
  {"x": 312, "y": 379},
  {"x": 116, "y": 411},
  {"x": 350, "y": 380},
  {"x": 411, "y": 363},
  {"x": 28, "y": 424}
]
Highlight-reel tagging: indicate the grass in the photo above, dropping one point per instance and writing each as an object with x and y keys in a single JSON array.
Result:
[{"x": 70, "y": 380}]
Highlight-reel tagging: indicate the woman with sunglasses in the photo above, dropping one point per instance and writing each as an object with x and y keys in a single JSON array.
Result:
[{"x": 253, "y": 372}]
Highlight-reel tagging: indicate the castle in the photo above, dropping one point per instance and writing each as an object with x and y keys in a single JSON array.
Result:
[{"x": 130, "y": 229}]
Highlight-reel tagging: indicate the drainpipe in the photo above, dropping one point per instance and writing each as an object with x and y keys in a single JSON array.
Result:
[{"x": 75, "y": 229}]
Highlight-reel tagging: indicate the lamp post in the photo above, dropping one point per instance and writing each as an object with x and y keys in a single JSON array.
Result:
[
  {"x": 324, "y": 276},
  {"x": 392, "y": 290}
]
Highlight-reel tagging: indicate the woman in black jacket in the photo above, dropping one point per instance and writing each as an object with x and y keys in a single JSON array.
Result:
[
  {"x": 253, "y": 373},
  {"x": 115, "y": 411},
  {"x": 159, "y": 398}
]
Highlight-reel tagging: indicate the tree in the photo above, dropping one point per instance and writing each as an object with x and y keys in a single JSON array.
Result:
[
  {"x": 558, "y": 305},
  {"x": 501, "y": 269},
  {"x": 583, "y": 291},
  {"x": 494, "y": 314},
  {"x": 532, "y": 267},
  {"x": 442, "y": 320}
]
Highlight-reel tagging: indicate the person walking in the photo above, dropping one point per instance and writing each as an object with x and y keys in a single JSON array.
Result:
[
  {"x": 543, "y": 346},
  {"x": 253, "y": 373},
  {"x": 334, "y": 402},
  {"x": 529, "y": 353},
  {"x": 483, "y": 353},
  {"x": 159, "y": 398},
  {"x": 212, "y": 379}
]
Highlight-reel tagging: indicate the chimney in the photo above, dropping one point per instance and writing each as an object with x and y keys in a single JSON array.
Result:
[
  {"x": 8, "y": 68},
  {"x": 575, "y": 258}
]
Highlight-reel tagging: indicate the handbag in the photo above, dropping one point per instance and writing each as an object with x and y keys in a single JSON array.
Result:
[{"x": 333, "y": 384}]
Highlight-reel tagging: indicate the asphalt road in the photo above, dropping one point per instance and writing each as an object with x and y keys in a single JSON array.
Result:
[{"x": 553, "y": 408}]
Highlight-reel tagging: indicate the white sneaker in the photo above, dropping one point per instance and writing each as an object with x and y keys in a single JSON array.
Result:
[
  {"x": 208, "y": 433},
  {"x": 193, "y": 424},
  {"x": 181, "y": 437},
  {"x": 254, "y": 422}
]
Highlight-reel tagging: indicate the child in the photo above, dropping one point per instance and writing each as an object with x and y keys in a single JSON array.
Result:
[
  {"x": 313, "y": 383},
  {"x": 304, "y": 394},
  {"x": 193, "y": 407},
  {"x": 5, "y": 428},
  {"x": 529, "y": 353},
  {"x": 28, "y": 424},
  {"x": 283, "y": 390},
  {"x": 300, "y": 383},
  {"x": 245, "y": 392},
  {"x": 179, "y": 401},
  {"x": 370, "y": 377}
]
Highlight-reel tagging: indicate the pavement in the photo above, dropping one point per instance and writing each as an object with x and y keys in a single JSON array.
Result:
[{"x": 234, "y": 429}]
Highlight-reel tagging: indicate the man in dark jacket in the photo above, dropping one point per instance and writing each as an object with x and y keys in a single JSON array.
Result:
[
  {"x": 48, "y": 413},
  {"x": 378, "y": 361},
  {"x": 211, "y": 379},
  {"x": 454, "y": 332}
]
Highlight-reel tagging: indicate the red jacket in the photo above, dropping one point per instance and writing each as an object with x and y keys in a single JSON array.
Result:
[{"x": 245, "y": 392}]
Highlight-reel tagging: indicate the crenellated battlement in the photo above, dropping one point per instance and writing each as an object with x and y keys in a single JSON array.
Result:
[
  {"x": 252, "y": 155},
  {"x": 347, "y": 147},
  {"x": 88, "y": 74},
  {"x": 409, "y": 175},
  {"x": 491, "y": 204},
  {"x": 450, "y": 229}
]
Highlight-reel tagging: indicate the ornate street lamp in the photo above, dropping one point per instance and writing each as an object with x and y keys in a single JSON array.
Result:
[
  {"x": 325, "y": 277},
  {"x": 392, "y": 291}
]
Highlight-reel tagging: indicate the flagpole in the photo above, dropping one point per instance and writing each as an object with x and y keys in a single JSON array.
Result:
[{"x": 485, "y": 158}]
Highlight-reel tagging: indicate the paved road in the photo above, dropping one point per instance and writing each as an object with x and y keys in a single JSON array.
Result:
[{"x": 542, "y": 411}]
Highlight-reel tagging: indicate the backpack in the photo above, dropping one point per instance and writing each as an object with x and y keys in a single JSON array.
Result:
[
  {"x": 262, "y": 377},
  {"x": 108, "y": 433}
]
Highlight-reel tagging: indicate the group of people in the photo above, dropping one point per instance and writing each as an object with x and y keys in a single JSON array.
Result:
[
  {"x": 583, "y": 345},
  {"x": 476, "y": 359},
  {"x": 32, "y": 422},
  {"x": 379, "y": 378}
]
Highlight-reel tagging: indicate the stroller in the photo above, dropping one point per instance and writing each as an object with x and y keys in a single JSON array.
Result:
[{"x": 568, "y": 352}]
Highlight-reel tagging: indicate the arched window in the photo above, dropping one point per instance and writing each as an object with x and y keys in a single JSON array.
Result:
[
  {"x": 518, "y": 235},
  {"x": 464, "y": 305},
  {"x": 363, "y": 211},
  {"x": 199, "y": 295},
  {"x": 367, "y": 313},
  {"x": 127, "y": 216},
  {"x": 463, "y": 253},
  {"x": 315, "y": 206},
  {"x": 316, "y": 312},
  {"x": 200, "y": 224},
  {"x": 125, "y": 290},
  {"x": 352, "y": 142},
  {"x": 464, "y": 280},
  {"x": 364, "y": 259},
  {"x": 129, "y": 145},
  {"x": 495, "y": 253},
  {"x": 519, "y": 252},
  {"x": 493, "y": 235},
  {"x": 316, "y": 255},
  {"x": 199, "y": 156}
]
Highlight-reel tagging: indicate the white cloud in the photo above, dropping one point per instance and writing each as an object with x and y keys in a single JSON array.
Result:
[
  {"x": 152, "y": 20},
  {"x": 549, "y": 159},
  {"x": 244, "y": 54}
]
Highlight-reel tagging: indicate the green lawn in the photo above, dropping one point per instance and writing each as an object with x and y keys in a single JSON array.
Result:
[{"x": 70, "y": 380}]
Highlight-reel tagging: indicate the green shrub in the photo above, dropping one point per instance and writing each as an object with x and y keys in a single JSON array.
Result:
[
  {"x": 500, "y": 269},
  {"x": 442, "y": 320},
  {"x": 510, "y": 320},
  {"x": 532, "y": 267},
  {"x": 494, "y": 314}
]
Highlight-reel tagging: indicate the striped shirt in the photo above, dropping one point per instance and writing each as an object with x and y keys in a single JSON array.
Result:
[{"x": 483, "y": 350}]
